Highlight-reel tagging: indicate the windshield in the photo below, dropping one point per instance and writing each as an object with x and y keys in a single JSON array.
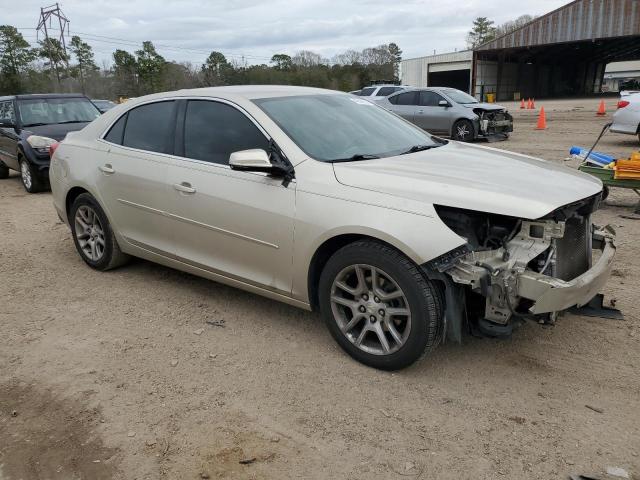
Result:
[
  {"x": 46, "y": 111},
  {"x": 459, "y": 96},
  {"x": 334, "y": 127}
]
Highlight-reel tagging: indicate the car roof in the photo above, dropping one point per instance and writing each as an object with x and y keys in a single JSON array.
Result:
[
  {"x": 237, "y": 93},
  {"x": 27, "y": 96}
]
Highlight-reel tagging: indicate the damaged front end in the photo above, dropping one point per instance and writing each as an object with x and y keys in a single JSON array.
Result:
[
  {"x": 513, "y": 268},
  {"x": 494, "y": 123}
]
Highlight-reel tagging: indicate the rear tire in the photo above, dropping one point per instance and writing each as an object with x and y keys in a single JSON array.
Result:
[
  {"x": 4, "y": 171},
  {"x": 93, "y": 236},
  {"x": 31, "y": 179},
  {"x": 388, "y": 326},
  {"x": 463, "y": 131}
]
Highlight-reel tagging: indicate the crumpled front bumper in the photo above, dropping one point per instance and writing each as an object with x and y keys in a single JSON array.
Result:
[{"x": 553, "y": 295}]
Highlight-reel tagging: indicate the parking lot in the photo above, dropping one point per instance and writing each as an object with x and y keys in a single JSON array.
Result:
[{"x": 145, "y": 372}]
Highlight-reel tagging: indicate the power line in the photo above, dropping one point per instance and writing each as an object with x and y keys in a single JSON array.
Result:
[{"x": 134, "y": 43}]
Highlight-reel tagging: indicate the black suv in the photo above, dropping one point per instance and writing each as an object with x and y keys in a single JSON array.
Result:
[{"x": 30, "y": 124}]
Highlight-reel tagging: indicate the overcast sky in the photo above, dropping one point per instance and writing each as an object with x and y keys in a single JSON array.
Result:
[{"x": 256, "y": 29}]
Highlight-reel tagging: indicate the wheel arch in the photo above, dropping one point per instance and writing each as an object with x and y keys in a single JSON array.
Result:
[
  {"x": 75, "y": 192},
  {"x": 326, "y": 249}
]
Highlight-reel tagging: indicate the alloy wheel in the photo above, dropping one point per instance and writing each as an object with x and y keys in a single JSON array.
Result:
[
  {"x": 25, "y": 172},
  {"x": 370, "y": 309},
  {"x": 90, "y": 233},
  {"x": 463, "y": 131}
]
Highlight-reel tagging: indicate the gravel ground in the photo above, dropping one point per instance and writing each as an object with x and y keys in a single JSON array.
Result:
[{"x": 147, "y": 373}]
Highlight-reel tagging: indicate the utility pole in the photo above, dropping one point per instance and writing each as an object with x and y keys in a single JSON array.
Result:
[{"x": 47, "y": 14}]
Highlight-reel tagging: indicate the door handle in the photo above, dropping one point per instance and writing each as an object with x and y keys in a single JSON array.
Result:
[
  {"x": 184, "y": 187},
  {"x": 107, "y": 168},
  {"x": 420, "y": 111}
]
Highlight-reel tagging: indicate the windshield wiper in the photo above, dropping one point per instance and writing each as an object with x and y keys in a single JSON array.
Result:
[
  {"x": 419, "y": 148},
  {"x": 355, "y": 158},
  {"x": 34, "y": 124},
  {"x": 75, "y": 121}
]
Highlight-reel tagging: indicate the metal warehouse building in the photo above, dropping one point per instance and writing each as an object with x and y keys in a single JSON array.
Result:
[{"x": 562, "y": 53}]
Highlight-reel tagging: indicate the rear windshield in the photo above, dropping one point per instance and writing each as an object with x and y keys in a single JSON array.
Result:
[{"x": 47, "y": 111}]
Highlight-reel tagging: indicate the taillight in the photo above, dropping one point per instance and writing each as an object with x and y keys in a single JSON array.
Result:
[
  {"x": 52, "y": 148},
  {"x": 622, "y": 103}
]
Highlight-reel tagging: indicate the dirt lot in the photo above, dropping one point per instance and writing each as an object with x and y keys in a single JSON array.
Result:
[{"x": 118, "y": 375}]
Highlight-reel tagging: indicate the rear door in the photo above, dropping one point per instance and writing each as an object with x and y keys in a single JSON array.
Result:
[
  {"x": 430, "y": 115},
  {"x": 404, "y": 104},
  {"x": 132, "y": 173},
  {"x": 8, "y": 136},
  {"x": 238, "y": 224}
]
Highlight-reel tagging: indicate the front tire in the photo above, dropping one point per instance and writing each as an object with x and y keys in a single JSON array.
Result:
[
  {"x": 379, "y": 306},
  {"x": 93, "y": 236},
  {"x": 4, "y": 171},
  {"x": 31, "y": 179},
  {"x": 463, "y": 131}
]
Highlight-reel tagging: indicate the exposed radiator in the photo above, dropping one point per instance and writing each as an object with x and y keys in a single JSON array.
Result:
[{"x": 573, "y": 251}]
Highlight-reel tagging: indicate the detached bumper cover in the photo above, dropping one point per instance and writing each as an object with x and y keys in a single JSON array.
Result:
[{"x": 552, "y": 294}]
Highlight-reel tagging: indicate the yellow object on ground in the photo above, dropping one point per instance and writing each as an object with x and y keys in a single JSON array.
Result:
[
  {"x": 491, "y": 97},
  {"x": 628, "y": 169}
]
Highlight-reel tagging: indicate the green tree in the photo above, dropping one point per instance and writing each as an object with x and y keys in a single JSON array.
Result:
[
  {"x": 396, "y": 55},
  {"x": 481, "y": 32},
  {"x": 126, "y": 72},
  {"x": 84, "y": 56},
  {"x": 151, "y": 67},
  {"x": 15, "y": 57},
  {"x": 52, "y": 50},
  {"x": 281, "y": 61},
  {"x": 216, "y": 69}
]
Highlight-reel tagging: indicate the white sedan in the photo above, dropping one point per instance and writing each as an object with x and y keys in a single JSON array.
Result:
[{"x": 627, "y": 118}]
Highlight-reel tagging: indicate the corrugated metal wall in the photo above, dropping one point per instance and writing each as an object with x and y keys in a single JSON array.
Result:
[{"x": 579, "y": 20}]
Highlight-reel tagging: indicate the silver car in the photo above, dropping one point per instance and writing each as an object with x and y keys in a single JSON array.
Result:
[
  {"x": 626, "y": 118},
  {"x": 451, "y": 112},
  {"x": 328, "y": 202}
]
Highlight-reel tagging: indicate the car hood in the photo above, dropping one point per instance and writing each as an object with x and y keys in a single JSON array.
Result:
[
  {"x": 489, "y": 107},
  {"x": 57, "y": 131},
  {"x": 475, "y": 178}
]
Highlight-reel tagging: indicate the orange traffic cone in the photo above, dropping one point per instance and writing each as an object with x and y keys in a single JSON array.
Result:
[
  {"x": 522, "y": 104},
  {"x": 542, "y": 120},
  {"x": 601, "y": 109},
  {"x": 533, "y": 103}
]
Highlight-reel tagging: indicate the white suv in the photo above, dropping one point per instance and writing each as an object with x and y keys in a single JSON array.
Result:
[
  {"x": 627, "y": 117},
  {"x": 376, "y": 92}
]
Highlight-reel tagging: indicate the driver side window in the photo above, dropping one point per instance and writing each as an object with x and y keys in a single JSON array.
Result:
[{"x": 214, "y": 130}]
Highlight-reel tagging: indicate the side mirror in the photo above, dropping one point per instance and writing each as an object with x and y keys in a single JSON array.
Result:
[
  {"x": 255, "y": 160},
  {"x": 7, "y": 123},
  {"x": 443, "y": 103}
]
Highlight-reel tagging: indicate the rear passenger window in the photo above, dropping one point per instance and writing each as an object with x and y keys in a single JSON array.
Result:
[
  {"x": 384, "y": 91},
  {"x": 408, "y": 98},
  {"x": 214, "y": 130},
  {"x": 366, "y": 92},
  {"x": 117, "y": 130},
  {"x": 150, "y": 127}
]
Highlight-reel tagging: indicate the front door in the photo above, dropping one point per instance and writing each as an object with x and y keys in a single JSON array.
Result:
[
  {"x": 8, "y": 136},
  {"x": 238, "y": 224},
  {"x": 432, "y": 116}
]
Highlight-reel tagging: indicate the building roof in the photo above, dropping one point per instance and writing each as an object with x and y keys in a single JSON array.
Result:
[{"x": 579, "y": 20}]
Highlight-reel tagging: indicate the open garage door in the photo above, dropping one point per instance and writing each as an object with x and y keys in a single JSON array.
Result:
[{"x": 459, "y": 79}]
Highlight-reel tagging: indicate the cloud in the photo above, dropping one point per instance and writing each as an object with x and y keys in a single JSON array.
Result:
[{"x": 187, "y": 30}]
